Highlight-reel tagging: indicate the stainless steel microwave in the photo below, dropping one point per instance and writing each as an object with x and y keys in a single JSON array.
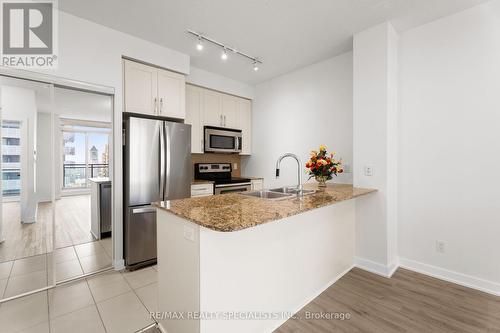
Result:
[{"x": 222, "y": 140}]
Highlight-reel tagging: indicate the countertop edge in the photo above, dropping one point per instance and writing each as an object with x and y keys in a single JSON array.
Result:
[{"x": 364, "y": 192}]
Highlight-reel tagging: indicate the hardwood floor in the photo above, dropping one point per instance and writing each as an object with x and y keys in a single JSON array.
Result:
[
  {"x": 407, "y": 302},
  {"x": 25, "y": 240},
  {"x": 73, "y": 221}
]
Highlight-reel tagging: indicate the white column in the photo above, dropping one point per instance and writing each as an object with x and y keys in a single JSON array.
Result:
[{"x": 375, "y": 76}]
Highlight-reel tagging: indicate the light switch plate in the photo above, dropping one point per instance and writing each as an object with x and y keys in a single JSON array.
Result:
[{"x": 368, "y": 170}]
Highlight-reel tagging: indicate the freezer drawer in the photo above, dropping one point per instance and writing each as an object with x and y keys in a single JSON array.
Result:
[{"x": 140, "y": 236}]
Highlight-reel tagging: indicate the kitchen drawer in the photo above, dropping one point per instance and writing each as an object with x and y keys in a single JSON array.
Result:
[{"x": 201, "y": 190}]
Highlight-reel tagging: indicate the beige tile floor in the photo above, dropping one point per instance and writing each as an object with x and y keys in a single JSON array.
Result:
[
  {"x": 27, "y": 274},
  {"x": 109, "y": 302}
]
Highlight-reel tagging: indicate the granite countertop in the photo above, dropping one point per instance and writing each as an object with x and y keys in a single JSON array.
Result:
[{"x": 232, "y": 211}]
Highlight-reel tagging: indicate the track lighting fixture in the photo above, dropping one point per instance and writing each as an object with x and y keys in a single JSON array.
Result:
[
  {"x": 224, "y": 56},
  {"x": 199, "y": 45}
]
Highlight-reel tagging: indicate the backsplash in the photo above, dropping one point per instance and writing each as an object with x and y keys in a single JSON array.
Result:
[{"x": 219, "y": 158}]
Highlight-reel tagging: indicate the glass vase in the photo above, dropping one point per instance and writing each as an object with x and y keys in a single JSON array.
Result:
[{"x": 321, "y": 180}]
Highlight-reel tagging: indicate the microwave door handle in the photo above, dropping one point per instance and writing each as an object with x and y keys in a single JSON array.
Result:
[
  {"x": 237, "y": 143},
  {"x": 162, "y": 162}
]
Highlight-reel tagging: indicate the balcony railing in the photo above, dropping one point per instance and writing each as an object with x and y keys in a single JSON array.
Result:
[{"x": 75, "y": 174}]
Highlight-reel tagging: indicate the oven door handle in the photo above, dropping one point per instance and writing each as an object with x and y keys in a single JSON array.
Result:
[{"x": 233, "y": 185}]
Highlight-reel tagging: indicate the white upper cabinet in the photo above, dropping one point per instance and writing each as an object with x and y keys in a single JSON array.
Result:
[
  {"x": 153, "y": 91},
  {"x": 171, "y": 94},
  {"x": 229, "y": 111},
  {"x": 212, "y": 108},
  {"x": 194, "y": 117},
  {"x": 140, "y": 88},
  {"x": 244, "y": 119},
  {"x": 205, "y": 107}
]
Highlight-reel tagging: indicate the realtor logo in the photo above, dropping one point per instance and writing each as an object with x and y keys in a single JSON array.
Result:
[{"x": 28, "y": 33}]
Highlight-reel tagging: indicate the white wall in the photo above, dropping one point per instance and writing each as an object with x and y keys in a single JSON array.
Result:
[
  {"x": 44, "y": 162},
  {"x": 296, "y": 113},
  {"x": 450, "y": 145}
]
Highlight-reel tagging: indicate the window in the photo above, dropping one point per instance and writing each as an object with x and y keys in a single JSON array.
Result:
[
  {"x": 10, "y": 141},
  {"x": 11, "y": 158},
  {"x": 85, "y": 155},
  {"x": 74, "y": 160}
]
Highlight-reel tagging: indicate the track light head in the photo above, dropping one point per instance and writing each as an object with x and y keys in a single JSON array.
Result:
[
  {"x": 199, "y": 45},
  {"x": 255, "y": 65},
  {"x": 224, "y": 54}
]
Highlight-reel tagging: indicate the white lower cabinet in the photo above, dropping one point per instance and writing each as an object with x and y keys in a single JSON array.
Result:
[
  {"x": 257, "y": 184},
  {"x": 202, "y": 190}
]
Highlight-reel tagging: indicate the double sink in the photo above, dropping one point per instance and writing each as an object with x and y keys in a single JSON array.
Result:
[{"x": 279, "y": 193}]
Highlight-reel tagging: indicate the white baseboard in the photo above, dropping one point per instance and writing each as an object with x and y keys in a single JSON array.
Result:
[
  {"x": 119, "y": 264},
  {"x": 313, "y": 296},
  {"x": 451, "y": 276},
  {"x": 375, "y": 267}
]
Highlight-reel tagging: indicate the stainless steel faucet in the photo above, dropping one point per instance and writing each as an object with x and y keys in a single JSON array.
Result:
[{"x": 299, "y": 168}]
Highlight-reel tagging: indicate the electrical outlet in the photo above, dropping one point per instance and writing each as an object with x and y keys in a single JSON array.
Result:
[
  {"x": 368, "y": 170},
  {"x": 235, "y": 166},
  {"x": 440, "y": 246}
]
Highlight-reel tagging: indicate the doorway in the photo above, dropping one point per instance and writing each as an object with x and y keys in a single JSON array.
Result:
[
  {"x": 26, "y": 226},
  {"x": 56, "y": 170}
]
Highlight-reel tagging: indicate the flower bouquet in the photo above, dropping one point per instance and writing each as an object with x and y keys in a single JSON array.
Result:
[{"x": 322, "y": 166}]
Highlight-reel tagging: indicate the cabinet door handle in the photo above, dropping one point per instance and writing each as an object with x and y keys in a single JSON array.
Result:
[
  {"x": 224, "y": 121},
  {"x": 161, "y": 105},
  {"x": 155, "y": 102},
  {"x": 220, "y": 120}
]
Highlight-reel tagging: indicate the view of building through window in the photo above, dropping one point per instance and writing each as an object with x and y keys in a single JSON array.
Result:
[
  {"x": 11, "y": 158},
  {"x": 85, "y": 155}
]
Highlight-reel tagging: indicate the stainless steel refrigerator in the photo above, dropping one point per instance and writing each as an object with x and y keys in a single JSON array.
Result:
[{"x": 157, "y": 166}]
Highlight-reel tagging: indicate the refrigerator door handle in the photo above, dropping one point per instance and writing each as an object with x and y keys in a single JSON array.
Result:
[
  {"x": 144, "y": 210},
  {"x": 162, "y": 160},
  {"x": 168, "y": 139}
]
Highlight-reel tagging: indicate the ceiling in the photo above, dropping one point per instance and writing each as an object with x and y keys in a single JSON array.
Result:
[{"x": 285, "y": 34}]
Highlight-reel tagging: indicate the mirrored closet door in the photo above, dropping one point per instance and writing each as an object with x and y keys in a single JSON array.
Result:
[
  {"x": 83, "y": 205},
  {"x": 27, "y": 215}
]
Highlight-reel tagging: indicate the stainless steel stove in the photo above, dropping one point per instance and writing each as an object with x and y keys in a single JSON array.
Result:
[{"x": 220, "y": 174}]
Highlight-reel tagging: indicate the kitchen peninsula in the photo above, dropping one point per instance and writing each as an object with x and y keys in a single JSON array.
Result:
[{"x": 245, "y": 264}]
